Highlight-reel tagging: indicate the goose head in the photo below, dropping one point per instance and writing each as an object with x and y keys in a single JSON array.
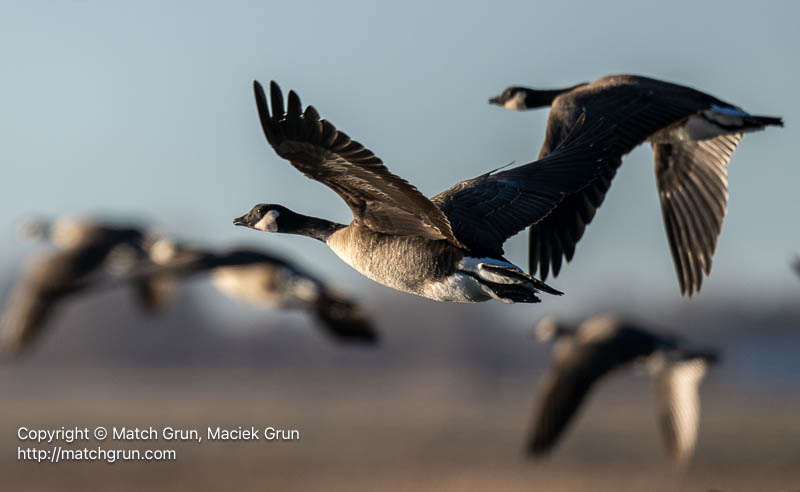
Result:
[
  {"x": 269, "y": 217},
  {"x": 514, "y": 98}
]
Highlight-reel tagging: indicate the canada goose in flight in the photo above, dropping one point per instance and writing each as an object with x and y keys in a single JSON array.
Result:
[
  {"x": 693, "y": 136},
  {"x": 261, "y": 279},
  {"x": 129, "y": 242},
  {"x": 602, "y": 344},
  {"x": 448, "y": 248},
  {"x": 47, "y": 281}
]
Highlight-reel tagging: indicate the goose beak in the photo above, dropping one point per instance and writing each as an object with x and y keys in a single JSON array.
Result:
[
  {"x": 240, "y": 221},
  {"x": 495, "y": 100}
]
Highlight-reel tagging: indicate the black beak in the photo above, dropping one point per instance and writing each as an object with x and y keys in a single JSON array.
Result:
[
  {"x": 240, "y": 221},
  {"x": 495, "y": 100}
]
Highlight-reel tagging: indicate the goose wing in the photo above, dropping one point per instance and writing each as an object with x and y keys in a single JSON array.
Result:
[
  {"x": 487, "y": 210},
  {"x": 378, "y": 199},
  {"x": 26, "y": 311},
  {"x": 677, "y": 395},
  {"x": 692, "y": 181},
  {"x": 46, "y": 283},
  {"x": 641, "y": 107},
  {"x": 579, "y": 363}
]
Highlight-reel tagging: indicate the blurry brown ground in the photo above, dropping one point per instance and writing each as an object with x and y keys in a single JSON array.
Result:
[{"x": 439, "y": 406}]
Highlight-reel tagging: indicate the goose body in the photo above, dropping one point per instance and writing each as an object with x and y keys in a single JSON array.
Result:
[
  {"x": 447, "y": 248},
  {"x": 693, "y": 136},
  {"x": 433, "y": 269},
  {"x": 602, "y": 345}
]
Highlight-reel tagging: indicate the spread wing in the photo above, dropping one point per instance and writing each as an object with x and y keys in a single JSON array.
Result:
[
  {"x": 23, "y": 318},
  {"x": 378, "y": 199},
  {"x": 640, "y": 107},
  {"x": 678, "y": 401},
  {"x": 565, "y": 387},
  {"x": 487, "y": 210},
  {"x": 577, "y": 367},
  {"x": 692, "y": 180},
  {"x": 46, "y": 284}
]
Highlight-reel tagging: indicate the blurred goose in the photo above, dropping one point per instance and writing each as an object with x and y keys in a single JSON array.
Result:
[
  {"x": 693, "y": 136},
  {"x": 48, "y": 281},
  {"x": 448, "y": 248},
  {"x": 68, "y": 232},
  {"x": 261, "y": 279},
  {"x": 796, "y": 265},
  {"x": 601, "y": 345},
  {"x": 129, "y": 243}
]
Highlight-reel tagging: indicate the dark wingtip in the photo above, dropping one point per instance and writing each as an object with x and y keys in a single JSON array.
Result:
[
  {"x": 295, "y": 107},
  {"x": 546, "y": 288},
  {"x": 276, "y": 97}
]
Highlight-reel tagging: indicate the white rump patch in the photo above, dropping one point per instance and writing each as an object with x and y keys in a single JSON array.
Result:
[
  {"x": 268, "y": 223},
  {"x": 700, "y": 128},
  {"x": 458, "y": 287},
  {"x": 479, "y": 267}
]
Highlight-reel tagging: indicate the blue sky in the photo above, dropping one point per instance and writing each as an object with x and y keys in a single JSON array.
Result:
[{"x": 146, "y": 109}]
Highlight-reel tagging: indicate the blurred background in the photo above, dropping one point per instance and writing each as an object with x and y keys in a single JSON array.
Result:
[{"x": 146, "y": 111}]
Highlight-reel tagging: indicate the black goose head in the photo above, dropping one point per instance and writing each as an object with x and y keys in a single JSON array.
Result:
[
  {"x": 277, "y": 218},
  {"x": 514, "y": 98},
  {"x": 270, "y": 218},
  {"x": 522, "y": 98}
]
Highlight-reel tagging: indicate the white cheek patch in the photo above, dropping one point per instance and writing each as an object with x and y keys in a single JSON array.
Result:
[
  {"x": 516, "y": 103},
  {"x": 268, "y": 223}
]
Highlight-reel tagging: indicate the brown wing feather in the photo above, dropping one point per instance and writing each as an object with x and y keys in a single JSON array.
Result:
[
  {"x": 378, "y": 199},
  {"x": 692, "y": 181}
]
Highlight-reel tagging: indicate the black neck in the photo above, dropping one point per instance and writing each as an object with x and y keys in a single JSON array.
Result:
[
  {"x": 317, "y": 228},
  {"x": 539, "y": 98}
]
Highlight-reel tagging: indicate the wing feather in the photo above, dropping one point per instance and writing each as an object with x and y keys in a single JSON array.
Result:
[
  {"x": 692, "y": 184},
  {"x": 378, "y": 199}
]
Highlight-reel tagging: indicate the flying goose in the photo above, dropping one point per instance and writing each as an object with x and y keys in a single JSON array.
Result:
[
  {"x": 448, "y": 248},
  {"x": 601, "y": 345},
  {"x": 48, "y": 281},
  {"x": 129, "y": 241},
  {"x": 796, "y": 265},
  {"x": 693, "y": 136},
  {"x": 261, "y": 279}
]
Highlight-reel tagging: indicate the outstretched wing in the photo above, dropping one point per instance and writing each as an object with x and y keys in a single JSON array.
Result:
[
  {"x": 692, "y": 180},
  {"x": 487, "y": 210},
  {"x": 640, "y": 107},
  {"x": 378, "y": 199},
  {"x": 564, "y": 388},
  {"x": 579, "y": 363}
]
